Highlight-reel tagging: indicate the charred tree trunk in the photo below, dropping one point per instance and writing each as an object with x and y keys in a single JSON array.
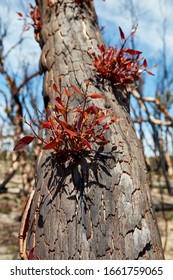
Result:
[{"x": 100, "y": 206}]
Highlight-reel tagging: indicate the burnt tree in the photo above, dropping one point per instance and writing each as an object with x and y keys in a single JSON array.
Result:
[{"x": 99, "y": 207}]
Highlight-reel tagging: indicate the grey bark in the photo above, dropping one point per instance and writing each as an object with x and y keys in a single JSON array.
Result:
[{"x": 99, "y": 207}]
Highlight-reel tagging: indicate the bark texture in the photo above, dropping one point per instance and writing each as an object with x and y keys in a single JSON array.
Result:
[{"x": 99, "y": 207}]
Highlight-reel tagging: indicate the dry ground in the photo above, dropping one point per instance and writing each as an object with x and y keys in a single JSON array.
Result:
[{"x": 11, "y": 204}]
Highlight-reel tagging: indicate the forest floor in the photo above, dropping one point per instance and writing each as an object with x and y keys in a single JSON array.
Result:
[{"x": 12, "y": 202}]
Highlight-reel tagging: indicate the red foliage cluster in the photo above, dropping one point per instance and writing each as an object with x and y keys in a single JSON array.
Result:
[
  {"x": 72, "y": 130},
  {"x": 122, "y": 66},
  {"x": 34, "y": 15}
]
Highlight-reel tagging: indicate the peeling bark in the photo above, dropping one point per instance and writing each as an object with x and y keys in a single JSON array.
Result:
[{"x": 98, "y": 207}]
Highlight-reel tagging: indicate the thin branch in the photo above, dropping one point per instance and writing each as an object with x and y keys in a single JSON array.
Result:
[
  {"x": 151, "y": 118},
  {"x": 13, "y": 47},
  {"x": 26, "y": 80},
  {"x": 5, "y": 97}
]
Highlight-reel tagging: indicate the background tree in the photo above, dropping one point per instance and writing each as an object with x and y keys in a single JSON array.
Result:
[
  {"x": 154, "y": 114},
  {"x": 151, "y": 107},
  {"x": 17, "y": 99},
  {"x": 99, "y": 206}
]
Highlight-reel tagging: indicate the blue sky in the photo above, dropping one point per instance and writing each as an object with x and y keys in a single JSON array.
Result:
[
  {"x": 152, "y": 17},
  {"x": 111, "y": 13},
  {"x": 149, "y": 15}
]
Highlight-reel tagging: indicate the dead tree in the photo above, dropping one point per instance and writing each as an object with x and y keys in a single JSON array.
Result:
[
  {"x": 14, "y": 106},
  {"x": 98, "y": 207}
]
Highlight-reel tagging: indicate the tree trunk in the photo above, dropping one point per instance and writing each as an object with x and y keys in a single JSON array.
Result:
[{"x": 100, "y": 206}]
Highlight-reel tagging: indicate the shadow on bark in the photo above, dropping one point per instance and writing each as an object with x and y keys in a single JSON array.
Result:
[{"x": 83, "y": 175}]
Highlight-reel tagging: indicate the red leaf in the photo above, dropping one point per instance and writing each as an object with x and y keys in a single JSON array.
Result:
[
  {"x": 150, "y": 73},
  {"x": 105, "y": 126},
  {"x": 58, "y": 100},
  {"x": 121, "y": 33},
  {"x": 96, "y": 95},
  {"x": 87, "y": 83},
  {"x": 67, "y": 92},
  {"x": 102, "y": 48},
  {"x": 101, "y": 137},
  {"x": 92, "y": 109},
  {"x": 50, "y": 146},
  {"x": 60, "y": 109},
  {"x": 145, "y": 64},
  {"x": 46, "y": 124},
  {"x": 20, "y": 14},
  {"x": 55, "y": 88},
  {"x": 51, "y": 120},
  {"x": 23, "y": 142},
  {"x": 130, "y": 51},
  {"x": 102, "y": 143},
  {"x": 86, "y": 143},
  {"x": 59, "y": 106},
  {"x": 99, "y": 120},
  {"x": 70, "y": 132},
  {"x": 63, "y": 123},
  {"x": 77, "y": 90}
]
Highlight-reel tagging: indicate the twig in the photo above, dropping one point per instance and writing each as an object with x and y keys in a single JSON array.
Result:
[{"x": 151, "y": 118}]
